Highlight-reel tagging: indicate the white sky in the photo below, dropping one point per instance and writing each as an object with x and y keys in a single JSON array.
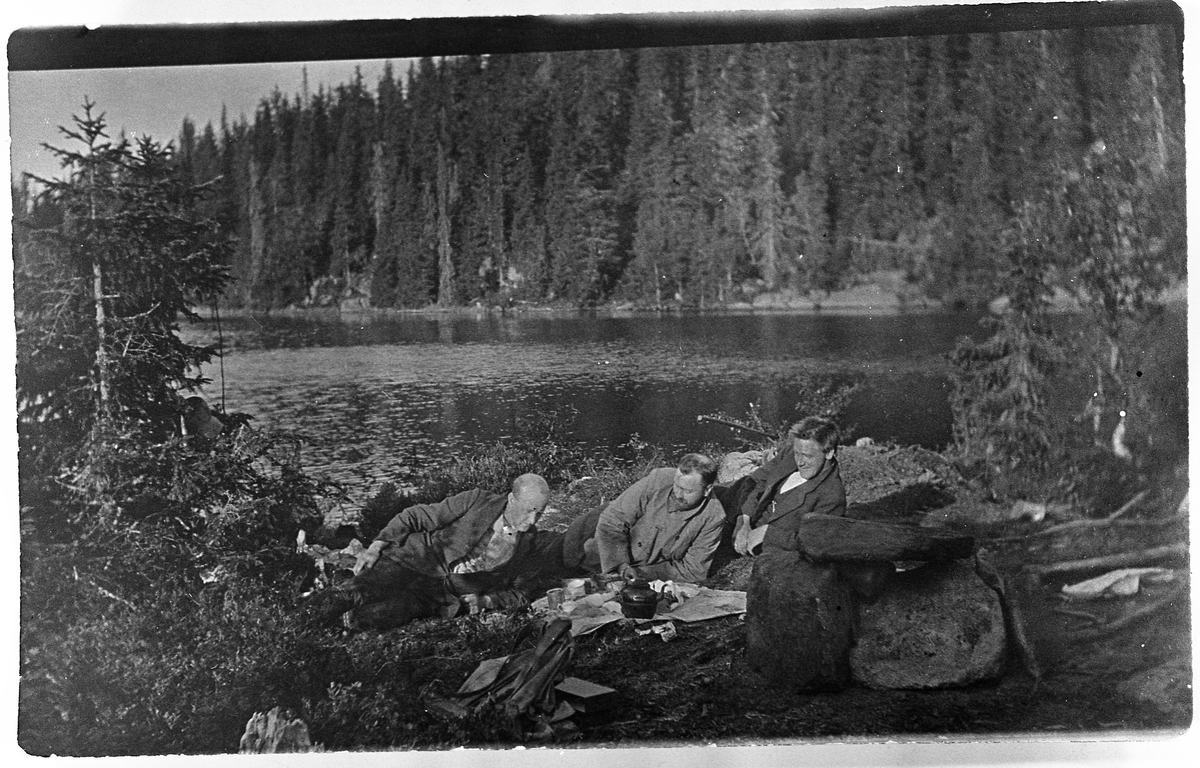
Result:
[{"x": 154, "y": 100}]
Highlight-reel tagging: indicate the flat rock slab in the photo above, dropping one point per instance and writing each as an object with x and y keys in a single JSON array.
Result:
[
  {"x": 938, "y": 626},
  {"x": 798, "y": 623},
  {"x": 827, "y": 538}
]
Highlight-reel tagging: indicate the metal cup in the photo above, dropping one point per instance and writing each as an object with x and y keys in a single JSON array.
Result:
[
  {"x": 554, "y": 598},
  {"x": 574, "y": 589}
]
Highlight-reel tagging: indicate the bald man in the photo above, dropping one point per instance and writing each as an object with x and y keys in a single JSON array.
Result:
[{"x": 469, "y": 550}]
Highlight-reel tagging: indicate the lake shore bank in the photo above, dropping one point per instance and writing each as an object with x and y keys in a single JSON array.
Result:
[
  {"x": 857, "y": 301},
  {"x": 883, "y": 299}
]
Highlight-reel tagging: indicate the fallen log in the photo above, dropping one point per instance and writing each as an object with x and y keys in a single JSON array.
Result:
[
  {"x": 1111, "y": 521},
  {"x": 828, "y": 538},
  {"x": 1121, "y": 560}
]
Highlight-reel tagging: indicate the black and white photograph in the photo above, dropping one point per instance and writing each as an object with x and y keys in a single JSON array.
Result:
[{"x": 723, "y": 385}]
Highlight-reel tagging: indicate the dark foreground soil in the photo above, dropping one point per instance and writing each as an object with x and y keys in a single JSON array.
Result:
[{"x": 1080, "y": 671}]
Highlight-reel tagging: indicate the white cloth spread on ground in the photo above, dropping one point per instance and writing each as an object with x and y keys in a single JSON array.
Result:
[{"x": 683, "y": 602}]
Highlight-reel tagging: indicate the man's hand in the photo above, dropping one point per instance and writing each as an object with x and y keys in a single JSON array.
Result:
[
  {"x": 369, "y": 556},
  {"x": 741, "y": 534},
  {"x": 754, "y": 538},
  {"x": 628, "y": 572},
  {"x": 475, "y": 603}
]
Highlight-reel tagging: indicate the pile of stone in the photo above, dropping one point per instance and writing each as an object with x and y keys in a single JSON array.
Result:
[{"x": 878, "y": 604}]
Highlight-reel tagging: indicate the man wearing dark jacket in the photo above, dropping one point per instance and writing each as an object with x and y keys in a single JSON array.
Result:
[
  {"x": 802, "y": 479},
  {"x": 470, "y": 550}
]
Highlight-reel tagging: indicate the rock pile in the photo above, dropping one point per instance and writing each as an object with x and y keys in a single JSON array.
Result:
[
  {"x": 274, "y": 732},
  {"x": 881, "y": 604}
]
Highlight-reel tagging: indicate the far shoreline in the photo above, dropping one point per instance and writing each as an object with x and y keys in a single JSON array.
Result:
[
  {"x": 863, "y": 300},
  {"x": 778, "y": 304}
]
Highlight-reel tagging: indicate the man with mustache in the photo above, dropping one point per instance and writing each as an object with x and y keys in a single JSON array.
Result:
[{"x": 665, "y": 526}]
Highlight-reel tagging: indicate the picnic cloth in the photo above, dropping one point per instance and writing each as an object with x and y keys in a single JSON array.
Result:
[{"x": 682, "y": 602}]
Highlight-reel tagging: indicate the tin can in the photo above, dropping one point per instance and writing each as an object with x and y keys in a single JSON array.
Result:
[
  {"x": 554, "y": 598},
  {"x": 573, "y": 589}
]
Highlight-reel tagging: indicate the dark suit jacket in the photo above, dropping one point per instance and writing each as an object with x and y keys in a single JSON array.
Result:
[
  {"x": 431, "y": 538},
  {"x": 425, "y": 541},
  {"x": 823, "y": 494}
]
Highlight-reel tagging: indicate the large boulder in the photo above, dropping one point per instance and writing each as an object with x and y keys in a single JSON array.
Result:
[
  {"x": 934, "y": 627},
  {"x": 736, "y": 465},
  {"x": 798, "y": 623}
]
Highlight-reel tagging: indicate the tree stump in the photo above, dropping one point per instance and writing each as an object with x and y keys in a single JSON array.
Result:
[{"x": 798, "y": 623}]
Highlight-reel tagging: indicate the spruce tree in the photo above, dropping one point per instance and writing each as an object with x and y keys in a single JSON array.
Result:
[{"x": 100, "y": 292}]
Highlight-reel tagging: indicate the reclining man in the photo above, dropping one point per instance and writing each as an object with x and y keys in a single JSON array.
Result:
[
  {"x": 802, "y": 479},
  {"x": 473, "y": 550},
  {"x": 665, "y": 526}
]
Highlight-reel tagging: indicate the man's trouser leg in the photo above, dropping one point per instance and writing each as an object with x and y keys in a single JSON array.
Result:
[
  {"x": 539, "y": 556},
  {"x": 577, "y": 558},
  {"x": 388, "y": 595}
]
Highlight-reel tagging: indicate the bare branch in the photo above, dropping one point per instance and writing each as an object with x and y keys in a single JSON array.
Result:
[
  {"x": 1129, "y": 505},
  {"x": 1122, "y": 560}
]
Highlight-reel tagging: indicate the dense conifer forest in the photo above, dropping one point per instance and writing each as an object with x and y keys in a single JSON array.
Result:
[{"x": 701, "y": 175}]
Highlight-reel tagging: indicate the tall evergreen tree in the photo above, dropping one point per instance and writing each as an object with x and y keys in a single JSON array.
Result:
[
  {"x": 527, "y": 269},
  {"x": 100, "y": 294},
  {"x": 650, "y": 185},
  {"x": 580, "y": 195}
]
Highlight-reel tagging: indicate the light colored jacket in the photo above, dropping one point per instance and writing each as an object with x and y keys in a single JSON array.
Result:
[{"x": 637, "y": 529}]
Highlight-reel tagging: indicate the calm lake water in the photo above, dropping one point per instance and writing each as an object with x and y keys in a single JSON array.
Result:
[{"x": 379, "y": 398}]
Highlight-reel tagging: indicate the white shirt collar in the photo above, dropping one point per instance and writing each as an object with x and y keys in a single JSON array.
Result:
[{"x": 793, "y": 480}]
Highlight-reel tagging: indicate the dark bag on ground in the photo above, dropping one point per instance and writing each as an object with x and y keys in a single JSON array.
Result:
[{"x": 521, "y": 685}]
